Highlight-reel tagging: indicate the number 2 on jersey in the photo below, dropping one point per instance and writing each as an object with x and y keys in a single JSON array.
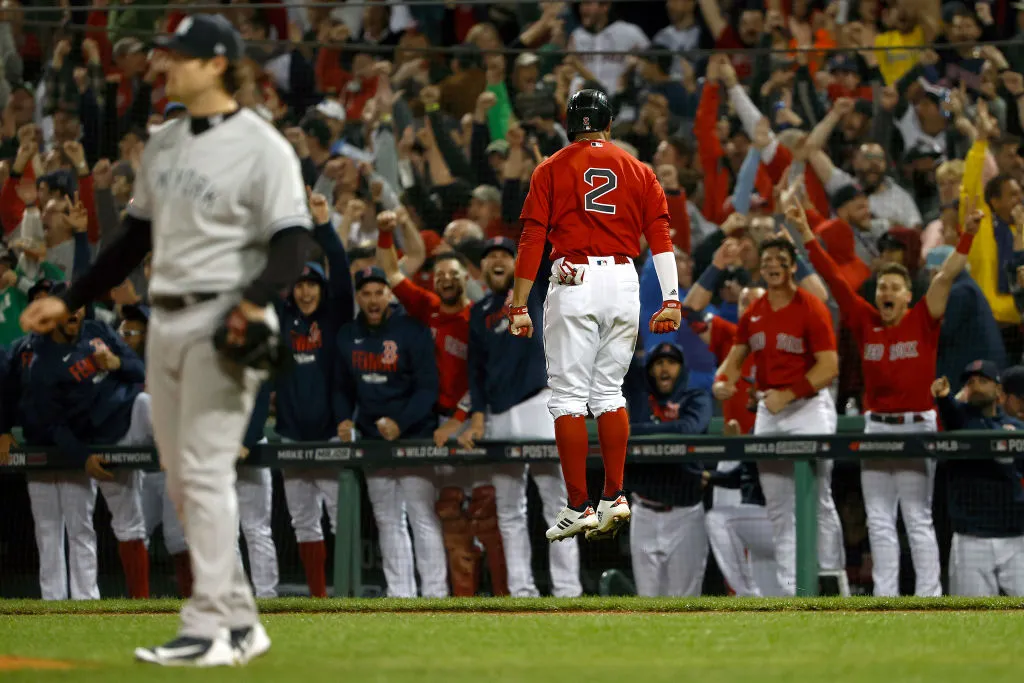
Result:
[{"x": 590, "y": 199}]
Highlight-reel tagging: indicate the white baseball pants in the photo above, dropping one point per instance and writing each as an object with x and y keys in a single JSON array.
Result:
[
  {"x": 527, "y": 421},
  {"x": 396, "y": 494},
  {"x": 906, "y": 484},
  {"x": 307, "y": 493},
  {"x": 723, "y": 497},
  {"x": 159, "y": 511},
  {"x": 124, "y": 494},
  {"x": 590, "y": 332},
  {"x": 984, "y": 566},
  {"x": 810, "y": 417},
  {"x": 255, "y": 503},
  {"x": 741, "y": 539},
  {"x": 64, "y": 501},
  {"x": 201, "y": 408},
  {"x": 669, "y": 550}
]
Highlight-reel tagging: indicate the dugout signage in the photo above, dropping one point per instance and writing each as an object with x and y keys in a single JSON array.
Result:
[{"x": 337, "y": 454}]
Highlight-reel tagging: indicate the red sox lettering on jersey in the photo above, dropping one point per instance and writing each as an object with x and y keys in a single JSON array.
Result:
[
  {"x": 370, "y": 362},
  {"x": 86, "y": 368},
  {"x": 306, "y": 345}
]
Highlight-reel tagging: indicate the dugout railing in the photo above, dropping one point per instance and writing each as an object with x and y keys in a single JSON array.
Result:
[{"x": 848, "y": 443}]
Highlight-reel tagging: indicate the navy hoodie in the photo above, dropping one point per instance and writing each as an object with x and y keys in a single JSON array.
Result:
[
  {"x": 75, "y": 401},
  {"x": 304, "y": 393},
  {"x": 16, "y": 394},
  {"x": 504, "y": 370},
  {"x": 985, "y": 497},
  {"x": 683, "y": 411},
  {"x": 386, "y": 371}
]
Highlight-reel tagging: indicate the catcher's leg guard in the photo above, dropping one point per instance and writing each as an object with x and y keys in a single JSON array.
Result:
[
  {"x": 463, "y": 556},
  {"x": 483, "y": 510}
]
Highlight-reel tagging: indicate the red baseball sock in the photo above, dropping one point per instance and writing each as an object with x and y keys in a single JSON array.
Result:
[
  {"x": 613, "y": 433},
  {"x": 183, "y": 573},
  {"x": 135, "y": 561},
  {"x": 313, "y": 556},
  {"x": 573, "y": 447}
]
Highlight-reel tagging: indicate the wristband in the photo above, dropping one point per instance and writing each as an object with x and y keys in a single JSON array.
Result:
[
  {"x": 385, "y": 118},
  {"x": 709, "y": 278},
  {"x": 963, "y": 246},
  {"x": 430, "y": 108},
  {"x": 385, "y": 240},
  {"x": 518, "y": 310},
  {"x": 803, "y": 388},
  {"x": 722, "y": 377}
]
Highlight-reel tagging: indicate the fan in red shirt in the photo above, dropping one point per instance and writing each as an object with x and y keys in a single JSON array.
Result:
[
  {"x": 592, "y": 200},
  {"x": 899, "y": 347},
  {"x": 788, "y": 332}
]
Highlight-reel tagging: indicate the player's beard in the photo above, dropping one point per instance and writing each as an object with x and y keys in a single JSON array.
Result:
[
  {"x": 499, "y": 284},
  {"x": 980, "y": 401}
]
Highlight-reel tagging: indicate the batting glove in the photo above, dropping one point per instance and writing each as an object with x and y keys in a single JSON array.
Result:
[
  {"x": 667, "y": 318},
  {"x": 519, "y": 322}
]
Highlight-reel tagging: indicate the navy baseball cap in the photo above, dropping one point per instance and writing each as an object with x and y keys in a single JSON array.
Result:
[
  {"x": 844, "y": 62},
  {"x": 371, "y": 274},
  {"x": 1013, "y": 381},
  {"x": 845, "y": 194},
  {"x": 205, "y": 36},
  {"x": 44, "y": 286},
  {"x": 983, "y": 368},
  {"x": 498, "y": 243},
  {"x": 666, "y": 350},
  {"x": 313, "y": 272},
  {"x": 138, "y": 312}
]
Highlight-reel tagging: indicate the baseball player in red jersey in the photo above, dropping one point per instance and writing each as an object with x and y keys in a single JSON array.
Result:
[
  {"x": 789, "y": 334},
  {"x": 899, "y": 347},
  {"x": 592, "y": 200}
]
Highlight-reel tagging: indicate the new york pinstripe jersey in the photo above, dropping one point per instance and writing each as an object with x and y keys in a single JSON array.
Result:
[{"x": 215, "y": 200}]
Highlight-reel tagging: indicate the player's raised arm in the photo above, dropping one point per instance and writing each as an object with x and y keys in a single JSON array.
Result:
[
  {"x": 668, "y": 317},
  {"x": 387, "y": 257},
  {"x": 938, "y": 291}
]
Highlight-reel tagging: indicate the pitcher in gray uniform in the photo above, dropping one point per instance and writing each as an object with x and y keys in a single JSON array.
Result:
[{"x": 221, "y": 203}]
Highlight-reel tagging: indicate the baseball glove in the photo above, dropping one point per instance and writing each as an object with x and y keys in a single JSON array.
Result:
[{"x": 254, "y": 344}]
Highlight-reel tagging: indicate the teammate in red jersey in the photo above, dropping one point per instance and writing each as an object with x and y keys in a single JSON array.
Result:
[
  {"x": 789, "y": 334},
  {"x": 899, "y": 347},
  {"x": 592, "y": 200}
]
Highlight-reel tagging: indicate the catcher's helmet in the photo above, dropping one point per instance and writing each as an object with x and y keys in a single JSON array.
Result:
[{"x": 588, "y": 111}]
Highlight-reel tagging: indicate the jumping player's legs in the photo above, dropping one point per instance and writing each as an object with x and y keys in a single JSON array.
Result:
[
  {"x": 571, "y": 341},
  {"x": 618, "y": 287}
]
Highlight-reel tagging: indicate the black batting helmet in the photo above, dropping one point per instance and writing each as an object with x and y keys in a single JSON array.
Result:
[{"x": 588, "y": 111}]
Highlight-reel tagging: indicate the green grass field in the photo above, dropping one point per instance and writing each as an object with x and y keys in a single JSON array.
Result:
[{"x": 708, "y": 640}]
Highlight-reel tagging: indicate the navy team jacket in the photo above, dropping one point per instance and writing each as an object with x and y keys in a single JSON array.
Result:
[
  {"x": 258, "y": 419},
  {"x": 386, "y": 371},
  {"x": 683, "y": 411},
  {"x": 16, "y": 392},
  {"x": 504, "y": 370},
  {"x": 304, "y": 393},
  {"x": 985, "y": 497},
  {"x": 74, "y": 401}
]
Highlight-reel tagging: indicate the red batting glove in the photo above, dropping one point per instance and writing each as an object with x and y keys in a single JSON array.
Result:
[
  {"x": 667, "y": 318},
  {"x": 519, "y": 322}
]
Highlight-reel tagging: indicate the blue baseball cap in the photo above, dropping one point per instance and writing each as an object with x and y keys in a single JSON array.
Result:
[
  {"x": 498, "y": 243},
  {"x": 983, "y": 368},
  {"x": 205, "y": 36},
  {"x": 371, "y": 274},
  {"x": 173, "y": 107}
]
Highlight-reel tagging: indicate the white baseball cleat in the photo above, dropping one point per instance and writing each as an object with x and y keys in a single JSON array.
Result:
[
  {"x": 250, "y": 643},
  {"x": 570, "y": 522},
  {"x": 612, "y": 514},
  {"x": 191, "y": 652}
]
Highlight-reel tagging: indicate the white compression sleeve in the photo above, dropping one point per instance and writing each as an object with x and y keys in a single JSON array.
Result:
[{"x": 668, "y": 276}]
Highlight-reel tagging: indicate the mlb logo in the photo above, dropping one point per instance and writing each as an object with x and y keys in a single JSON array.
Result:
[
  {"x": 515, "y": 452},
  {"x": 930, "y": 446},
  {"x": 586, "y": 122},
  {"x": 825, "y": 447},
  {"x": 601, "y": 262},
  {"x": 1001, "y": 446},
  {"x": 400, "y": 452}
]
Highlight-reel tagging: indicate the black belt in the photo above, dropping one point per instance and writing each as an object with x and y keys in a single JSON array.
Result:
[
  {"x": 654, "y": 507},
  {"x": 896, "y": 419},
  {"x": 177, "y": 303}
]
